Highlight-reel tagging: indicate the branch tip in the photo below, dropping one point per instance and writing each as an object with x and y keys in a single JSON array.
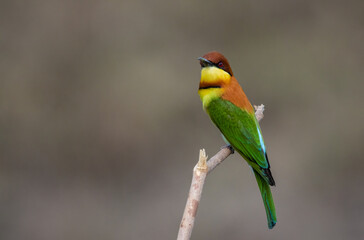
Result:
[
  {"x": 259, "y": 112},
  {"x": 201, "y": 165}
]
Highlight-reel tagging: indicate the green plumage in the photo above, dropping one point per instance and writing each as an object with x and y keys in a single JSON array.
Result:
[
  {"x": 242, "y": 131},
  {"x": 267, "y": 200}
]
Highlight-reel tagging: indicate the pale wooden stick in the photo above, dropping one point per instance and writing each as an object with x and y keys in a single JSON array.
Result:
[
  {"x": 200, "y": 172},
  {"x": 259, "y": 112}
]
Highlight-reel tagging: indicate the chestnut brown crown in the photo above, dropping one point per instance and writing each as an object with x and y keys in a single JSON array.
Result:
[{"x": 219, "y": 61}]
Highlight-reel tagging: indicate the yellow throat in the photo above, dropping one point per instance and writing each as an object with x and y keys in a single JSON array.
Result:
[{"x": 212, "y": 81}]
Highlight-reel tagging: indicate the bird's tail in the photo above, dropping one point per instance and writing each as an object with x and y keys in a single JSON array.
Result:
[{"x": 267, "y": 200}]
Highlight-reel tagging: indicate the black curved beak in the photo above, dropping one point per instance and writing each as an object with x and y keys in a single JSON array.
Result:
[{"x": 205, "y": 63}]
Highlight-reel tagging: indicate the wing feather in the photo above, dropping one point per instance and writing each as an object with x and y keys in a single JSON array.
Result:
[{"x": 242, "y": 131}]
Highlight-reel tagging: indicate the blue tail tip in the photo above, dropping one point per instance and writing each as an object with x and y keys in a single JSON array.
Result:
[{"x": 272, "y": 224}]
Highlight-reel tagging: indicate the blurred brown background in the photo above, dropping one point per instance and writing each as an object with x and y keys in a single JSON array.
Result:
[{"x": 101, "y": 122}]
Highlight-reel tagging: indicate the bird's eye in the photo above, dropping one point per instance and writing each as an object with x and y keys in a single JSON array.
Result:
[{"x": 220, "y": 65}]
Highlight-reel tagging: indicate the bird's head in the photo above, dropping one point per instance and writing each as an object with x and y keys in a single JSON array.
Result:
[
  {"x": 215, "y": 59},
  {"x": 215, "y": 71},
  {"x": 216, "y": 75}
]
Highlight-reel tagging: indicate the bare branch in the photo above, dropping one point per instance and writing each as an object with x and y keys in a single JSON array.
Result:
[
  {"x": 200, "y": 172},
  {"x": 259, "y": 112},
  {"x": 213, "y": 162}
]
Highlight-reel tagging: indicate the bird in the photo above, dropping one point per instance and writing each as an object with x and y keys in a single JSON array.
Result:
[{"x": 224, "y": 100}]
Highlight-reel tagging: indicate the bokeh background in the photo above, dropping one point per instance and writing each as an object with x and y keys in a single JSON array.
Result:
[{"x": 101, "y": 123}]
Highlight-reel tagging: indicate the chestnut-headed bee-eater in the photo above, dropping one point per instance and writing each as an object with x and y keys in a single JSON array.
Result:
[{"x": 230, "y": 110}]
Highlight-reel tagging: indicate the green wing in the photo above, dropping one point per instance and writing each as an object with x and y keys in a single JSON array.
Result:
[{"x": 242, "y": 131}]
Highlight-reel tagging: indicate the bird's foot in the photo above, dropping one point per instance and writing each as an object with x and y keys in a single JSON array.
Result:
[{"x": 229, "y": 147}]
